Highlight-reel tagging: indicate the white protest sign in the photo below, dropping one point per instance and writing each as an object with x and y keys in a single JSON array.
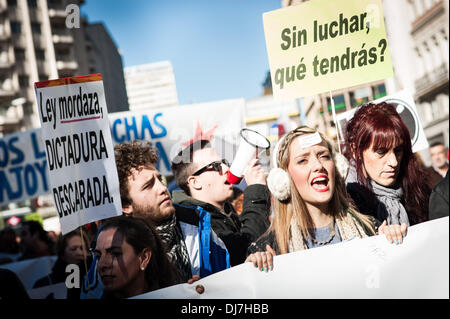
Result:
[
  {"x": 80, "y": 156},
  {"x": 170, "y": 129},
  {"x": 23, "y": 159},
  {"x": 360, "y": 268},
  {"x": 406, "y": 108},
  {"x": 23, "y": 167}
]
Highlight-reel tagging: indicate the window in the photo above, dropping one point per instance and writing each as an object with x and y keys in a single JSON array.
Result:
[
  {"x": 359, "y": 96},
  {"x": 40, "y": 54},
  {"x": 19, "y": 53},
  {"x": 24, "y": 81},
  {"x": 16, "y": 27},
  {"x": 32, "y": 3},
  {"x": 339, "y": 103},
  {"x": 12, "y": 3},
  {"x": 435, "y": 110},
  {"x": 379, "y": 91},
  {"x": 36, "y": 27}
]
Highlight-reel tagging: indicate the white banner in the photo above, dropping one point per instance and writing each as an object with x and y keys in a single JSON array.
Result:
[
  {"x": 170, "y": 129},
  {"x": 24, "y": 172},
  {"x": 367, "y": 268},
  {"x": 80, "y": 155},
  {"x": 23, "y": 167}
]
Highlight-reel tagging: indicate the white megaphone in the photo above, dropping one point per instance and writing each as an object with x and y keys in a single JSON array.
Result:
[{"x": 251, "y": 144}]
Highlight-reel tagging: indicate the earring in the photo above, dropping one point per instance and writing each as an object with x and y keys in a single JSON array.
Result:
[{"x": 142, "y": 268}]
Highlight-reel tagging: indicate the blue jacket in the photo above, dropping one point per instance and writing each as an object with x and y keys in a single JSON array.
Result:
[{"x": 207, "y": 252}]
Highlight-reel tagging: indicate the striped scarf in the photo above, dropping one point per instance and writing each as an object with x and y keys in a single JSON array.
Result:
[{"x": 172, "y": 238}]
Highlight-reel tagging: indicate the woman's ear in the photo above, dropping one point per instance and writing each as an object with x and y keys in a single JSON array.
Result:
[{"x": 144, "y": 258}]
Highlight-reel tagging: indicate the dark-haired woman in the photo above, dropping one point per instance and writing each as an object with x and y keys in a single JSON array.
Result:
[
  {"x": 69, "y": 249},
  {"x": 131, "y": 258},
  {"x": 385, "y": 179}
]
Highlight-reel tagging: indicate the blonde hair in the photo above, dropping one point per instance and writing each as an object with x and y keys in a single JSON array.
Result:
[{"x": 295, "y": 206}]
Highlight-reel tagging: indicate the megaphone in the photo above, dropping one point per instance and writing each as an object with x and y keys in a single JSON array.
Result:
[{"x": 249, "y": 147}]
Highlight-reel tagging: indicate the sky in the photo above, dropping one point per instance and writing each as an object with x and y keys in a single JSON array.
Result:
[{"x": 216, "y": 47}]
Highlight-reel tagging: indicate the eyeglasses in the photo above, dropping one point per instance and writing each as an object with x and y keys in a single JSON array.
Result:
[{"x": 215, "y": 166}]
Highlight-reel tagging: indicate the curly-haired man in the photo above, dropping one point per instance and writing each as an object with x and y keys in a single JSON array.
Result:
[{"x": 192, "y": 246}]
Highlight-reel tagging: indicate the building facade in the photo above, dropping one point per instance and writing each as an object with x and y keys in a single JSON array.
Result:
[
  {"x": 36, "y": 44},
  {"x": 151, "y": 85}
]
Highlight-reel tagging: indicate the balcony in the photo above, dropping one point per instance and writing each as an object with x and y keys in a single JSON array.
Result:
[
  {"x": 431, "y": 82},
  {"x": 11, "y": 115},
  {"x": 431, "y": 14},
  {"x": 57, "y": 14},
  {"x": 5, "y": 35},
  {"x": 5, "y": 64},
  {"x": 66, "y": 65},
  {"x": 19, "y": 40},
  {"x": 39, "y": 41},
  {"x": 6, "y": 96},
  {"x": 63, "y": 38}
]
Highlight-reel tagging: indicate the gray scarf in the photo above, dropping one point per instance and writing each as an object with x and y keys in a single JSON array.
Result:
[
  {"x": 172, "y": 237},
  {"x": 390, "y": 207}
]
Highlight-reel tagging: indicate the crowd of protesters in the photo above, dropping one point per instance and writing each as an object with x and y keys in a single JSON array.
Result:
[{"x": 314, "y": 196}]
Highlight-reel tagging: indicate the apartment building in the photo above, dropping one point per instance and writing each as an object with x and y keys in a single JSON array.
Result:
[{"x": 36, "y": 44}]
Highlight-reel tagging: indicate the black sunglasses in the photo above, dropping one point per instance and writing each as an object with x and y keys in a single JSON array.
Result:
[{"x": 215, "y": 166}]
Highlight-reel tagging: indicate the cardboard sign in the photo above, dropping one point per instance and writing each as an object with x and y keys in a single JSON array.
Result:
[
  {"x": 406, "y": 108},
  {"x": 79, "y": 149},
  {"x": 324, "y": 45},
  {"x": 23, "y": 167}
]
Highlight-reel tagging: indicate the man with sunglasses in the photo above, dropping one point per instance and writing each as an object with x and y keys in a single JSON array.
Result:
[
  {"x": 192, "y": 246},
  {"x": 202, "y": 175}
]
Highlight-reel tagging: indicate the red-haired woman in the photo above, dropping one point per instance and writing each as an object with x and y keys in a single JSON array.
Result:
[{"x": 385, "y": 180}]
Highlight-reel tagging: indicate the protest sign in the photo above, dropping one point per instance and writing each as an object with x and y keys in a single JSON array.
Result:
[
  {"x": 23, "y": 159},
  {"x": 23, "y": 167},
  {"x": 169, "y": 129},
  {"x": 359, "y": 268},
  {"x": 324, "y": 45},
  {"x": 80, "y": 157},
  {"x": 403, "y": 102}
]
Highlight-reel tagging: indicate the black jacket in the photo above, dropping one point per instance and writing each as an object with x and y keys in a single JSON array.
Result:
[
  {"x": 58, "y": 275},
  {"x": 236, "y": 231},
  {"x": 439, "y": 200}
]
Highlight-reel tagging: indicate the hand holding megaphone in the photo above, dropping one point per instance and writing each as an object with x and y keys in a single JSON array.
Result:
[
  {"x": 255, "y": 173},
  {"x": 249, "y": 147}
]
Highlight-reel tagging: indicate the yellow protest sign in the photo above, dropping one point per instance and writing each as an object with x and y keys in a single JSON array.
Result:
[{"x": 324, "y": 45}]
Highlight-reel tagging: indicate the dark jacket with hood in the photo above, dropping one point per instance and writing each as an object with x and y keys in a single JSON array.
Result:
[
  {"x": 439, "y": 200},
  {"x": 236, "y": 231}
]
